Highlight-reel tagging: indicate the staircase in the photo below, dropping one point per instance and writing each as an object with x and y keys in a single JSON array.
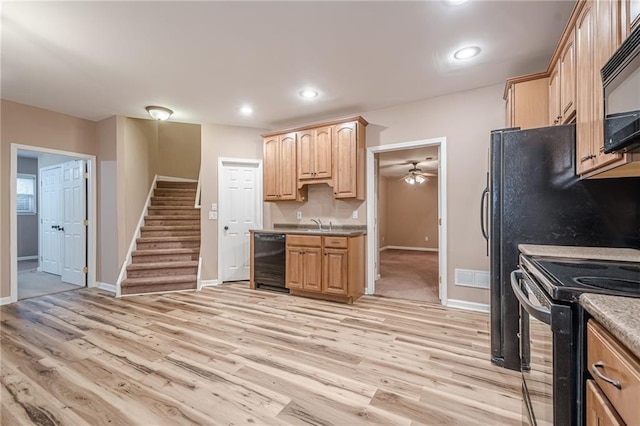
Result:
[{"x": 167, "y": 252}]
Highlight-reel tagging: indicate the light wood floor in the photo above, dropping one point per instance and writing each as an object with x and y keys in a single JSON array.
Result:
[{"x": 230, "y": 355}]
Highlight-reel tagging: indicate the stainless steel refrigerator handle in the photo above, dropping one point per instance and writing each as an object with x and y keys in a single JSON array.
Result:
[
  {"x": 595, "y": 368},
  {"x": 483, "y": 228},
  {"x": 542, "y": 314}
]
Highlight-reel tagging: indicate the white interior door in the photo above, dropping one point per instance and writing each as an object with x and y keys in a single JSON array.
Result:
[
  {"x": 75, "y": 235},
  {"x": 240, "y": 211},
  {"x": 51, "y": 220}
]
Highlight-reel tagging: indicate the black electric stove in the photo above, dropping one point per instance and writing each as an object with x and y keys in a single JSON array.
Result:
[{"x": 565, "y": 279}]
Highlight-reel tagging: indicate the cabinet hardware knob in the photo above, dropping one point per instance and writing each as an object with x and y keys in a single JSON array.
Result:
[
  {"x": 559, "y": 117},
  {"x": 587, "y": 157},
  {"x": 595, "y": 368}
]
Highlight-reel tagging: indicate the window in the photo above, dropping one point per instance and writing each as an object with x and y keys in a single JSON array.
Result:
[{"x": 26, "y": 194}]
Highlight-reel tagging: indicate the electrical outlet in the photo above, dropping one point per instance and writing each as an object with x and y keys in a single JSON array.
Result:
[
  {"x": 355, "y": 214},
  {"x": 426, "y": 238},
  {"x": 214, "y": 207},
  {"x": 298, "y": 215},
  {"x": 213, "y": 215}
]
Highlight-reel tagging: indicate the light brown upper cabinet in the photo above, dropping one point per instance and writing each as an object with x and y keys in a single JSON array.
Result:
[
  {"x": 568, "y": 80},
  {"x": 528, "y": 101},
  {"x": 315, "y": 153},
  {"x": 595, "y": 30},
  {"x": 279, "y": 168},
  {"x": 331, "y": 153}
]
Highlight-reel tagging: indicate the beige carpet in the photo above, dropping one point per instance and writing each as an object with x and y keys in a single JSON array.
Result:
[
  {"x": 32, "y": 283},
  {"x": 408, "y": 274}
]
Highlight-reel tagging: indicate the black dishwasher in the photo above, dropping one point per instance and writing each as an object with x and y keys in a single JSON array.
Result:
[{"x": 269, "y": 261}]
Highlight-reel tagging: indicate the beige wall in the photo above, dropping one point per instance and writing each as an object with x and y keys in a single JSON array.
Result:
[
  {"x": 465, "y": 119},
  {"x": 107, "y": 262},
  {"x": 136, "y": 170},
  {"x": 221, "y": 141},
  {"x": 28, "y": 223},
  {"x": 28, "y": 125},
  {"x": 411, "y": 213},
  {"x": 320, "y": 205},
  {"x": 179, "y": 149}
]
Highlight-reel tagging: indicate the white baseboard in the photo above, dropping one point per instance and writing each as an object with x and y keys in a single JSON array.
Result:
[
  {"x": 469, "y": 306},
  {"x": 107, "y": 287},
  {"x": 209, "y": 283},
  {"x": 408, "y": 248},
  {"x": 378, "y": 277},
  {"x": 5, "y": 300},
  {"x": 27, "y": 258}
]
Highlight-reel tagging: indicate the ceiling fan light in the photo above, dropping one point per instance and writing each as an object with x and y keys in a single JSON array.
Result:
[
  {"x": 421, "y": 179},
  {"x": 410, "y": 180}
]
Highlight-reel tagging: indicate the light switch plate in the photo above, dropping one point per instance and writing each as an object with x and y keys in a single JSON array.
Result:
[
  {"x": 213, "y": 215},
  {"x": 214, "y": 207},
  {"x": 355, "y": 214},
  {"x": 298, "y": 215}
]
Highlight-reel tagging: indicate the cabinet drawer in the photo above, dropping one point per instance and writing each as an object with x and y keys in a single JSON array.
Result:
[
  {"x": 599, "y": 409},
  {"x": 335, "y": 242},
  {"x": 605, "y": 355},
  {"x": 304, "y": 240}
]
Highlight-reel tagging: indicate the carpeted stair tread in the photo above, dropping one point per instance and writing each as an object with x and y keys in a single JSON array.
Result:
[
  {"x": 161, "y": 265},
  {"x": 158, "y": 288},
  {"x": 172, "y": 184},
  {"x": 168, "y": 239},
  {"x": 170, "y": 228},
  {"x": 172, "y": 217},
  {"x": 171, "y": 279},
  {"x": 151, "y": 252}
]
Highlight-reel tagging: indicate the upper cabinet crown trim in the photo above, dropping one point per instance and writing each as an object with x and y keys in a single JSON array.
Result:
[{"x": 357, "y": 118}]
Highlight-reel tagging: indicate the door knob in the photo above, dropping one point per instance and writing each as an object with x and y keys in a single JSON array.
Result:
[
  {"x": 226, "y": 228},
  {"x": 60, "y": 228},
  {"x": 54, "y": 226}
]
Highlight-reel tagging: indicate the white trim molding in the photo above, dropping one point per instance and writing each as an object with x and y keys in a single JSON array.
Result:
[
  {"x": 199, "y": 276},
  {"x": 469, "y": 306},
  {"x": 20, "y": 258},
  {"x": 209, "y": 283},
  {"x": 173, "y": 179},
  {"x": 107, "y": 287},
  {"x": 5, "y": 300},
  {"x": 372, "y": 237},
  {"x": 408, "y": 248}
]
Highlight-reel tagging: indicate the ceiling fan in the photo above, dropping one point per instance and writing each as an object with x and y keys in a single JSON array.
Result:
[{"x": 416, "y": 175}]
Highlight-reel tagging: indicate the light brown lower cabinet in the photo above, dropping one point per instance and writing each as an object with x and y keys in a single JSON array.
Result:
[
  {"x": 326, "y": 267},
  {"x": 613, "y": 396}
]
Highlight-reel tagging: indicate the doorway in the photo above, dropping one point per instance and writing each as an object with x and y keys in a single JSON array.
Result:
[
  {"x": 406, "y": 208},
  {"x": 62, "y": 250},
  {"x": 240, "y": 210}
]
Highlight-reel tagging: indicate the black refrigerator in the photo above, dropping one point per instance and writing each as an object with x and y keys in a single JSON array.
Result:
[{"x": 533, "y": 196}]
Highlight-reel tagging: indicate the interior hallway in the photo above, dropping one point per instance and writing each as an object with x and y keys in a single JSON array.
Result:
[
  {"x": 32, "y": 283},
  {"x": 408, "y": 274}
]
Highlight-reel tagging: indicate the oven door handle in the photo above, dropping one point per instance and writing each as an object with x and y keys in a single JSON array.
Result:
[{"x": 542, "y": 314}]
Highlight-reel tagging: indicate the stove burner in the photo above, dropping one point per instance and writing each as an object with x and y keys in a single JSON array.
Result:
[
  {"x": 579, "y": 265},
  {"x": 617, "y": 284}
]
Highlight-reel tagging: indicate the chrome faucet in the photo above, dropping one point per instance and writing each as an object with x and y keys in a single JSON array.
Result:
[{"x": 317, "y": 222}]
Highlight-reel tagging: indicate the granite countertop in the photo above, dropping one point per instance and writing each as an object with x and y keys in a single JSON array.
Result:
[
  {"x": 592, "y": 253},
  {"x": 617, "y": 314},
  {"x": 337, "y": 231}
]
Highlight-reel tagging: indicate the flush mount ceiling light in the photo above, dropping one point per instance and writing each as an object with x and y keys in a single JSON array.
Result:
[
  {"x": 455, "y": 2},
  {"x": 467, "y": 52},
  {"x": 246, "y": 110},
  {"x": 308, "y": 93},
  {"x": 159, "y": 113}
]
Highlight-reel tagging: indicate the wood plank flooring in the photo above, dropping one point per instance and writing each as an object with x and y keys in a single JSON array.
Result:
[{"x": 229, "y": 355}]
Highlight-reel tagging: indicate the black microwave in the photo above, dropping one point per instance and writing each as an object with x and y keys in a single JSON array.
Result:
[{"x": 621, "y": 83}]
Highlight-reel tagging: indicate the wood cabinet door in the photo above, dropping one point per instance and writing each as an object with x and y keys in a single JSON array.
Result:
[
  {"x": 345, "y": 161},
  {"x": 568, "y": 79},
  {"x": 335, "y": 274},
  {"x": 585, "y": 155},
  {"x": 305, "y": 154},
  {"x": 294, "y": 274},
  {"x": 271, "y": 159},
  {"x": 600, "y": 412},
  {"x": 288, "y": 181},
  {"x": 555, "y": 117},
  {"x": 323, "y": 152},
  {"x": 312, "y": 269}
]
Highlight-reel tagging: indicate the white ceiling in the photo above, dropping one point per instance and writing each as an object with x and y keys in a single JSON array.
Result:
[{"x": 205, "y": 60}]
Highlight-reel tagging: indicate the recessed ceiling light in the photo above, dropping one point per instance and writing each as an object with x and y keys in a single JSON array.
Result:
[
  {"x": 467, "y": 52},
  {"x": 308, "y": 93},
  {"x": 246, "y": 110}
]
